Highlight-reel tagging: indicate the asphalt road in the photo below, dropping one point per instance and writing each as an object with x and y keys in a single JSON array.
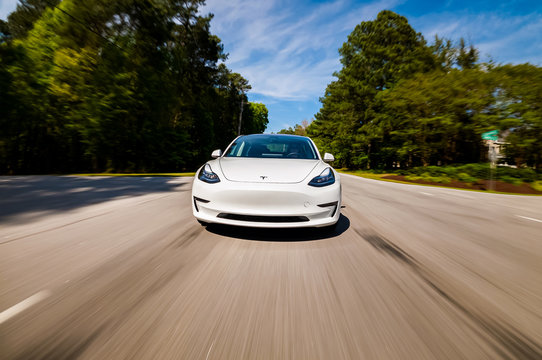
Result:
[{"x": 117, "y": 268}]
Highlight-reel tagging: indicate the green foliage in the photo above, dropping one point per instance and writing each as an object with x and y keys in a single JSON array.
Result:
[
  {"x": 464, "y": 177},
  {"x": 519, "y": 108},
  {"x": 413, "y": 177},
  {"x": 376, "y": 56},
  {"x": 537, "y": 185},
  {"x": 122, "y": 85},
  {"x": 440, "y": 179},
  {"x": 288, "y": 131},
  {"x": 399, "y": 103},
  {"x": 479, "y": 171},
  {"x": 470, "y": 173},
  {"x": 426, "y": 176},
  {"x": 257, "y": 118},
  {"x": 21, "y": 21},
  {"x": 300, "y": 130},
  {"x": 433, "y": 117},
  {"x": 511, "y": 180},
  {"x": 525, "y": 174}
]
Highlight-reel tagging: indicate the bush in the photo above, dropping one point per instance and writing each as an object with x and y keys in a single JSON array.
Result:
[
  {"x": 511, "y": 180},
  {"x": 440, "y": 179},
  {"x": 451, "y": 171},
  {"x": 426, "y": 176},
  {"x": 480, "y": 171},
  {"x": 434, "y": 170},
  {"x": 537, "y": 185},
  {"x": 529, "y": 175},
  {"x": 413, "y": 177},
  {"x": 470, "y": 173},
  {"x": 464, "y": 177},
  {"x": 504, "y": 171}
]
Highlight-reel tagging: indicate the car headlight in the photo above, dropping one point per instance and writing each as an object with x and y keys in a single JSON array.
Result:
[
  {"x": 325, "y": 178},
  {"x": 206, "y": 174}
]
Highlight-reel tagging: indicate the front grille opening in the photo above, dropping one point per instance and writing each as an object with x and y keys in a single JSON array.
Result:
[{"x": 259, "y": 218}]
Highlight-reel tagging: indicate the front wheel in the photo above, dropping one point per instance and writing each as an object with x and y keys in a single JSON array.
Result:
[{"x": 203, "y": 223}]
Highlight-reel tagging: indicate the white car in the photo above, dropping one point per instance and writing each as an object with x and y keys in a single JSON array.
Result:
[{"x": 269, "y": 181}]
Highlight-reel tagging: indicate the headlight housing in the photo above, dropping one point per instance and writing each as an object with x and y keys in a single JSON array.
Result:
[
  {"x": 207, "y": 175},
  {"x": 325, "y": 178}
]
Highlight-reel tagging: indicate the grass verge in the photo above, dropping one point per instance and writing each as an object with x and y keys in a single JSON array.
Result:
[{"x": 381, "y": 177}]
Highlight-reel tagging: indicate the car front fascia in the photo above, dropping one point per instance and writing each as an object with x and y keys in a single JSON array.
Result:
[{"x": 320, "y": 205}]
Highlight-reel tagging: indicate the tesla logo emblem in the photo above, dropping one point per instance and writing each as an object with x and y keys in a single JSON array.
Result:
[{"x": 263, "y": 177}]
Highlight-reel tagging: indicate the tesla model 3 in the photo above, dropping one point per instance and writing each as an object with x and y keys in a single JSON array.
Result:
[{"x": 270, "y": 181}]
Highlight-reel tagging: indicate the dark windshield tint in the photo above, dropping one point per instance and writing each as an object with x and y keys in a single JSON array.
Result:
[{"x": 272, "y": 146}]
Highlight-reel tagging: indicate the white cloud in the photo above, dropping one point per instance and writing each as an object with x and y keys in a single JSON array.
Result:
[
  {"x": 286, "y": 50},
  {"x": 502, "y": 37},
  {"x": 6, "y": 7}
]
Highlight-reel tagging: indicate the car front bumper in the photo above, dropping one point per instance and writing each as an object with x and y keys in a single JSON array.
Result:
[{"x": 266, "y": 205}]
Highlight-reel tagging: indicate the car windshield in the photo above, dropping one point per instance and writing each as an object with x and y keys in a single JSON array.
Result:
[{"x": 272, "y": 146}]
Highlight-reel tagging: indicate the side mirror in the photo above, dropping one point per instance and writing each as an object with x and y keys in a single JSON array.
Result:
[
  {"x": 328, "y": 157},
  {"x": 216, "y": 154}
]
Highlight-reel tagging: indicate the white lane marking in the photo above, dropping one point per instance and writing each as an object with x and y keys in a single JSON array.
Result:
[
  {"x": 529, "y": 218},
  {"x": 426, "y": 193},
  {"x": 23, "y": 305},
  {"x": 209, "y": 352}
]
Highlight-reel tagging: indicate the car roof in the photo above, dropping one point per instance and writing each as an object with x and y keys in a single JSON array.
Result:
[{"x": 277, "y": 135}]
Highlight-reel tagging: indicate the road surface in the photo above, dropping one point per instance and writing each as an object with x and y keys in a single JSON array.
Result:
[{"x": 117, "y": 268}]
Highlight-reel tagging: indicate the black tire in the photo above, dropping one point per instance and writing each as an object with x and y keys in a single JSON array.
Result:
[{"x": 203, "y": 223}]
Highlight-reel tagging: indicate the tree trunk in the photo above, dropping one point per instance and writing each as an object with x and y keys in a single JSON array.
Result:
[{"x": 369, "y": 156}]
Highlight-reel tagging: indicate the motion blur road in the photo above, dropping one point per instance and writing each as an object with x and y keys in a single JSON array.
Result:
[{"x": 117, "y": 268}]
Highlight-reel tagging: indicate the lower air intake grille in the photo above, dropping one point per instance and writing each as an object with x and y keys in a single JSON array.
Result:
[{"x": 257, "y": 218}]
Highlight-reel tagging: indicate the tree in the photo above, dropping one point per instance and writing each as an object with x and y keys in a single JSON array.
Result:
[
  {"x": 399, "y": 102},
  {"x": 5, "y": 34},
  {"x": 466, "y": 58},
  {"x": 122, "y": 85},
  {"x": 447, "y": 56},
  {"x": 21, "y": 21},
  {"x": 298, "y": 129},
  {"x": 377, "y": 54},
  {"x": 256, "y": 120},
  {"x": 519, "y": 107},
  {"x": 437, "y": 118}
]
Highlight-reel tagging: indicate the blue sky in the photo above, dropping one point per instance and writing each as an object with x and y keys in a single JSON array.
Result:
[{"x": 288, "y": 50}]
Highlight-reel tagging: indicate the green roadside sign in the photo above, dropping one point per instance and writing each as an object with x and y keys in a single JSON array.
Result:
[{"x": 491, "y": 135}]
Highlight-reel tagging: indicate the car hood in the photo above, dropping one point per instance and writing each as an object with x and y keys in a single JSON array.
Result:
[{"x": 285, "y": 171}]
